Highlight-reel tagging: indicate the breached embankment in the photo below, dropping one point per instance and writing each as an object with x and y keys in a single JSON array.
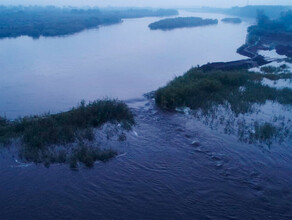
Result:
[{"x": 251, "y": 51}]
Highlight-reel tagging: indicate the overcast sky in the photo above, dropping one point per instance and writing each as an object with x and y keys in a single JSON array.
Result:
[{"x": 151, "y": 3}]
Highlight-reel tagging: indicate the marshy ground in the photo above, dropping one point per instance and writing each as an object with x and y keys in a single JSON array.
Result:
[
  {"x": 233, "y": 100},
  {"x": 68, "y": 137}
]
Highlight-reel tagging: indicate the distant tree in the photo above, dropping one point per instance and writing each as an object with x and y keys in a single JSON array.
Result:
[
  {"x": 286, "y": 18},
  {"x": 262, "y": 18}
]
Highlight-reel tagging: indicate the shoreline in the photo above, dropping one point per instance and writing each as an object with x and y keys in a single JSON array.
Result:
[{"x": 254, "y": 59}]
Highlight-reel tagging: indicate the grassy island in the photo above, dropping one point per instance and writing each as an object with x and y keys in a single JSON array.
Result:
[
  {"x": 199, "y": 89},
  {"x": 232, "y": 20},
  {"x": 181, "y": 22},
  {"x": 66, "y": 137},
  {"x": 52, "y": 21}
]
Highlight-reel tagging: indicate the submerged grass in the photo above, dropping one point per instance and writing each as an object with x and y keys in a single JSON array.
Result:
[
  {"x": 200, "y": 89},
  {"x": 264, "y": 131},
  {"x": 220, "y": 97},
  {"x": 39, "y": 133},
  {"x": 273, "y": 70},
  {"x": 88, "y": 155}
]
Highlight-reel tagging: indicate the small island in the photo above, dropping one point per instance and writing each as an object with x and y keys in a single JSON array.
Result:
[
  {"x": 232, "y": 20},
  {"x": 181, "y": 22}
]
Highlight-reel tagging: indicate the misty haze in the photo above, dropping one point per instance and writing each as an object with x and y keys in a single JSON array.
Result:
[{"x": 146, "y": 109}]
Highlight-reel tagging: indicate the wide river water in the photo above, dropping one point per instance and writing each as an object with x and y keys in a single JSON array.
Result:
[
  {"x": 158, "y": 174},
  {"x": 119, "y": 61}
]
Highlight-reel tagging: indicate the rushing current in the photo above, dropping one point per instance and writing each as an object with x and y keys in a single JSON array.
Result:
[{"x": 159, "y": 173}]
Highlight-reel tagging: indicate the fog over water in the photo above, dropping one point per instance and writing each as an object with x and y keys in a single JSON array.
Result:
[{"x": 149, "y": 3}]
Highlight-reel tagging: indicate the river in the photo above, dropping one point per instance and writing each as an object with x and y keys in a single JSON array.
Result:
[
  {"x": 119, "y": 61},
  {"x": 158, "y": 173}
]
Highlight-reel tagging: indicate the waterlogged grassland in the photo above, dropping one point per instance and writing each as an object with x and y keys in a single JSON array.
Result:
[
  {"x": 224, "y": 96},
  {"x": 67, "y": 137},
  {"x": 282, "y": 69},
  {"x": 202, "y": 89}
]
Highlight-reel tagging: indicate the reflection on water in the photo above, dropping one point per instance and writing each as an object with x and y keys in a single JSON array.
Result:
[{"x": 121, "y": 61}]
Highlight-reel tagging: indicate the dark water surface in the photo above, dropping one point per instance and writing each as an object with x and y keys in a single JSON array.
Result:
[{"x": 158, "y": 174}]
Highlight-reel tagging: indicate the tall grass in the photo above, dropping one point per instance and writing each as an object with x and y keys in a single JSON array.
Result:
[
  {"x": 200, "y": 89},
  {"x": 39, "y": 133}
]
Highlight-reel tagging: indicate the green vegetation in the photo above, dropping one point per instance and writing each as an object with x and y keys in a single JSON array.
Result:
[
  {"x": 88, "y": 155},
  {"x": 264, "y": 131},
  {"x": 198, "y": 89},
  {"x": 40, "y": 135},
  {"x": 276, "y": 30},
  {"x": 232, "y": 20},
  {"x": 181, "y": 22},
  {"x": 269, "y": 34},
  {"x": 283, "y": 69},
  {"x": 52, "y": 21},
  {"x": 250, "y": 11}
]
